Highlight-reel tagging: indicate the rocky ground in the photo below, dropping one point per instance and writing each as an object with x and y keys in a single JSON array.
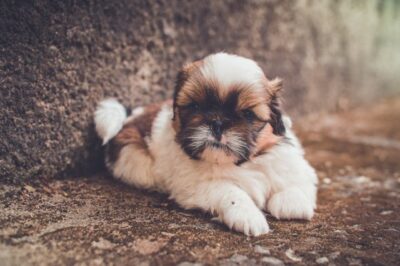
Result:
[{"x": 95, "y": 220}]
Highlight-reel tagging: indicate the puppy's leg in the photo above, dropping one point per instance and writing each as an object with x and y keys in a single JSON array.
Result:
[
  {"x": 128, "y": 158},
  {"x": 253, "y": 183},
  {"x": 291, "y": 203},
  {"x": 233, "y": 205},
  {"x": 293, "y": 181}
]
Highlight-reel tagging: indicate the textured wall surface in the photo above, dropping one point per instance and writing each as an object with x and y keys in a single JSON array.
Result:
[{"x": 59, "y": 58}]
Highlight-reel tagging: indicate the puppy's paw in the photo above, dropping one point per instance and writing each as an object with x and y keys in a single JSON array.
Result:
[
  {"x": 291, "y": 203},
  {"x": 248, "y": 220}
]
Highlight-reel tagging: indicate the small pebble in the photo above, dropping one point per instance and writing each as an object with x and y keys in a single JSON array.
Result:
[
  {"x": 272, "y": 261},
  {"x": 386, "y": 212},
  {"x": 102, "y": 244},
  {"x": 124, "y": 225},
  {"x": 364, "y": 199},
  {"x": 354, "y": 262},
  {"x": 334, "y": 255},
  {"x": 262, "y": 250},
  {"x": 187, "y": 263},
  {"x": 362, "y": 180},
  {"x": 322, "y": 260},
  {"x": 238, "y": 258},
  {"x": 29, "y": 188},
  {"x": 327, "y": 181},
  {"x": 290, "y": 254}
]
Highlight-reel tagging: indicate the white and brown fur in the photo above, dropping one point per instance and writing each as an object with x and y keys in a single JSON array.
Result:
[{"x": 222, "y": 146}]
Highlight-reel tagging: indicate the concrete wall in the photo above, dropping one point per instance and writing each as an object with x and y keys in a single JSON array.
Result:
[{"x": 59, "y": 58}]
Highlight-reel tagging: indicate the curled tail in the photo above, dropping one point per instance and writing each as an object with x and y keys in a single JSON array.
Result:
[{"x": 109, "y": 119}]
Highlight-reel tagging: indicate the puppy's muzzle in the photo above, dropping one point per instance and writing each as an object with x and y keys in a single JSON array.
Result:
[{"x": 216, "y": 129}]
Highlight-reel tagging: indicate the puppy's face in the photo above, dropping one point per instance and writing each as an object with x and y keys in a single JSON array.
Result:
[{"x": 225, "y": 110}]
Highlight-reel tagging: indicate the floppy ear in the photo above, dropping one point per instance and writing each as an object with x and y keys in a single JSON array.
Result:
[
  {"x": 181, "y": 79},
  {"x": 274, "y": 88}
]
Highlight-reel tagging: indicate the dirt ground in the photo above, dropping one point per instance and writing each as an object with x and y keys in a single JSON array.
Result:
[{"x": 96, "y": 220}]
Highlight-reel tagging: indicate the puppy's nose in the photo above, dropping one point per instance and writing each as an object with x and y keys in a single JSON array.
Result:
[{"x": 216, "y": 127}]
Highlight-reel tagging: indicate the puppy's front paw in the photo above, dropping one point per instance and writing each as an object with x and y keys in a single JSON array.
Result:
[
  {"x": 248, "y": 220},
  {"x": 291, "y": 203}
]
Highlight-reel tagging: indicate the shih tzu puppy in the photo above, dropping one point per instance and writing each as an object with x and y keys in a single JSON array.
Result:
[{"x": 222, "y": 146}]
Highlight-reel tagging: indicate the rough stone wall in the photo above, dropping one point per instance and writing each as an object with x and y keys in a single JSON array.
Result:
[{"x": 59, "y": 58}]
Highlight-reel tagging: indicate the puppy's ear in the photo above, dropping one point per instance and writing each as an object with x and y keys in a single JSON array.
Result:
[
  {"x": 275, "y": 85},
  {"x": 181, "y": 78},
  {"x": 274, "y": 88}
]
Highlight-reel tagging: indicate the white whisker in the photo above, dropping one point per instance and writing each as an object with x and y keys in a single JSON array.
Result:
[
  {"x": 236, "y": 144},
  {"x": 199, "y": 137}
]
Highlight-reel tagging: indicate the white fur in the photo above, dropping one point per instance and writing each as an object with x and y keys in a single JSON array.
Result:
[
  {"x": 281, "y": 181},
  {"x": 126, "y": 168},
  {"x": 138, "y": 111},
  {"x": 109, "y": 118},
  {"x": 232, "y": 70},
  {"x": 200, "y": 134}
]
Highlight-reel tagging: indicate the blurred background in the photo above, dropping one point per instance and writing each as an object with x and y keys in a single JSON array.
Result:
[{"x": 340, "y": 62}]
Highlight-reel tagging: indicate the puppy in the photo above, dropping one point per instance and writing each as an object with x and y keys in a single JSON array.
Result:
[{"x": 222, "y": 146}]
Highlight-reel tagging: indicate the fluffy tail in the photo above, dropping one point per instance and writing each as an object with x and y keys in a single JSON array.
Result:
[{"x": 109, "y": 119}]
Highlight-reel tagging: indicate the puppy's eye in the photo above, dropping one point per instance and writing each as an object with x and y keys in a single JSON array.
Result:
[
  {"x": 248, "y": 114},
  {"x": 193, "y": 106}
]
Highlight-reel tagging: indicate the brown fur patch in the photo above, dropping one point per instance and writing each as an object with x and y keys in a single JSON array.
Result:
[
  {"x": 131, "y": 135},
  {"x": 188, "y": 71},
  {"x": 143, "y": 123},
  {"x": 134, "y": 132},
  {"x": 127, "y": 136},
  {"x": 194, "y": 90},
  {"x": 249, "y": 98},
  {"x": 265, "y": 140},
  {"x": 255, "y": 101}
]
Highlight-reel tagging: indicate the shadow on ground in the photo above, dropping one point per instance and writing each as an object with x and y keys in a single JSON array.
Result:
[{"x": 95, "y": 220}]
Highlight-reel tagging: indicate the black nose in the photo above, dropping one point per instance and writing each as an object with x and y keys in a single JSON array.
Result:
[{"x": 216, "y": 127}]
